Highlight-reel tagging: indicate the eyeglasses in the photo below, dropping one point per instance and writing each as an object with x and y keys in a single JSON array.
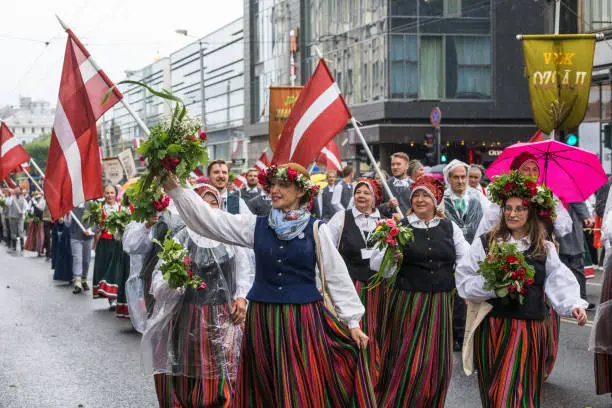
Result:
[{"x": 518, "y": 210}]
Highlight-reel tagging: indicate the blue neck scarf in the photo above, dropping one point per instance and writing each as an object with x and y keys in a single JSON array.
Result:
[{"x": 287, "y": 229}]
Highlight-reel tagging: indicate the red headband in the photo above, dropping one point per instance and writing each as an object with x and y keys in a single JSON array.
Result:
[{"x": 522, "y": 158}]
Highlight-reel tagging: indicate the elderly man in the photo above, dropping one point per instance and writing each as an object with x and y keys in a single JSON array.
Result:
[{"x": 464, "y": 206}]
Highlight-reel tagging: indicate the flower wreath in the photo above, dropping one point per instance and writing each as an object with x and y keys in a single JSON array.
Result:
[
  {"x": 514, "y": 184},
  {"x": 291, "y": 175}
]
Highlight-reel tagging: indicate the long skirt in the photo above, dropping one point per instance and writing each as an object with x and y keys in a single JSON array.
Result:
[
  {"x": 373, "y": 300},
  {"x": 553, "y": 324},
  {"x": 35, "y": 241},
  {"x": 603, "y": 362},
  {"x": 111, "y": 268},
  {"x": 62, "y": 253},
  {"x": 208, "y": 366},
  {"x": 300, "y": 355},
  {"x": 417, "y": 360},
  {"x": 510, "y": 357}
]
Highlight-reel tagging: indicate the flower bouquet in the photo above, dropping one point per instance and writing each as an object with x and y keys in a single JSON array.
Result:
[
  {"x": 93, "y": 214},
  {"x": 2, "y": 202},
  {"x": 506, "y": 272},
  {"x": 176, "y": 265},
  {"x": 147, "y": 202},
  {"x": 116, "y": 222},
  {"x": 391, "y": 238},
  {"x": 176, "y": 145}
]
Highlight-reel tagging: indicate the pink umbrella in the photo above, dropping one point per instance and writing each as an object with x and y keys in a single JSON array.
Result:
[{"x": 573, "y": 174}]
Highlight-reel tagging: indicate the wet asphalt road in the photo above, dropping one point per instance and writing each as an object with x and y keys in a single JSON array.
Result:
[{"x": 59, "y": 350}]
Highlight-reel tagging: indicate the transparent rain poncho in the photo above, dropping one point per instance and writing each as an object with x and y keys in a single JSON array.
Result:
[
  {"x": 600, "y": 340},
  {"x": 190, "y": 332},
  {"x": 469, "y": 221}
]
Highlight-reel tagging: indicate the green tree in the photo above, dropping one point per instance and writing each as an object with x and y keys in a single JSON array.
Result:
[{"x": 38, "y": 149}]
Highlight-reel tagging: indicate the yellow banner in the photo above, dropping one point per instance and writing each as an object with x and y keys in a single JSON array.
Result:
[
  {"x": 282, "y": 99},
  {"x": 559, "y": 69}
]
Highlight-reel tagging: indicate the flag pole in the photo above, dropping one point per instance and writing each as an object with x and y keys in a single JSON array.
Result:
[
  {"x": 125, "y": 103},
  {"x": 74, "y": 217}
]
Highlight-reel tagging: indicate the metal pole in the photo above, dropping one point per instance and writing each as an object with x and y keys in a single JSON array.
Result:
[
  {"x": 202, "y": 87},
  {"x": 557, "y": 15},
  {"x": 375, "y": 164},
  {"x": 125, "y": 103},
  {"x": 438, "y": 136},
  {"x": 43, "y": 193}
]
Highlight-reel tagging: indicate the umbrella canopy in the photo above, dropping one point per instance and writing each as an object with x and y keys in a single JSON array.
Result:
[{"x": 573, "y": 174}]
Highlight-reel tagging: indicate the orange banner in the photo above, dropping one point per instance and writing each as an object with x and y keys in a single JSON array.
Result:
[{"x": 282, "y": 99}]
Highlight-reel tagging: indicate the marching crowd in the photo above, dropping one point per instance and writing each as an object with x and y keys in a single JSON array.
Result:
[{"x": 289, "y": 316}]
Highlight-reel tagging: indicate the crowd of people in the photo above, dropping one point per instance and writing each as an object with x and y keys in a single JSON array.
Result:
[{"x": 289, "y": 317}]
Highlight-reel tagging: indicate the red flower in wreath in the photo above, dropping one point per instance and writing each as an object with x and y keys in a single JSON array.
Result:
[
  {"x": 508, "y": 187},
  {"x": 292, "y": 174}
]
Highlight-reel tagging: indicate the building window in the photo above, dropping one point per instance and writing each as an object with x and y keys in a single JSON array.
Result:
[
  {"x": 468, "y": 67},
  {"x": 23, "y": 130},
  {"x": 404, "y": 66},
  {"x": 597, "y": 15},
  {"x": 431, "y": 71}
]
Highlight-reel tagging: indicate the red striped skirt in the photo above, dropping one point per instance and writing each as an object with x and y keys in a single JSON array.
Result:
[
  {"x": 205, "y": 354},
  {"x": 510, "y": 357},
  {"x": 553, "y": 324},
  {"x": 35, "y": 241},
  {"x": 373, "y": 301},
  {"x": 300, "y": 355},
  {"x": 417, "y": 359}
]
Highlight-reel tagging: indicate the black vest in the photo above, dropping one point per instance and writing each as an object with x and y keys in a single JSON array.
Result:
[
  {"x": 429, "y": 260},
  {"x": 246, "y": 195},
  {"x": 351, "y": 243},
  {"x": 328, "y": 209},
  {"x": 533, "y": 307}
]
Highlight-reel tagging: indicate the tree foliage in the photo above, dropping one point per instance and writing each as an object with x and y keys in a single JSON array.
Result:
[{"x": 38, "y": 149}]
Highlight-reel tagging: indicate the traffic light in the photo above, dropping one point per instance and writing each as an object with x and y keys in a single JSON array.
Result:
[
  {"x": 443, "y": 158},
  {"x": 607, "y": 135},
  {"x": 572, "y": 139},
  {"x": 430, "y": 155}
]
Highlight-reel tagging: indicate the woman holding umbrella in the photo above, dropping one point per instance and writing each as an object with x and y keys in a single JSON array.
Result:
[
  {"x": 295, "y": 353},
  {"x": 510, "y": 343}
]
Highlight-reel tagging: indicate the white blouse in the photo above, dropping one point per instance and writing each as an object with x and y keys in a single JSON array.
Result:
[
  {"x": 560, "y": 285},
  {"x": 239, "y": 229},
  {"x": 364, "y": 223},
  {"x": 461, "y": 245}
]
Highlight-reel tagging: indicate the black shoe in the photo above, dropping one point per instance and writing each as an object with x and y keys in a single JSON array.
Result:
[
  {"x": 77, "y": 289},
  {"x": 457, "y": 345},
  {"x": 85, "y": 286},
  {"x": 591, "y": 306}
]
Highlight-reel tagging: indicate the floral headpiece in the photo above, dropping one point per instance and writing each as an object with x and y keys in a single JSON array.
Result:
[
  {"x": 266, "y": 177},
  {"x": 514, "y": 184}
]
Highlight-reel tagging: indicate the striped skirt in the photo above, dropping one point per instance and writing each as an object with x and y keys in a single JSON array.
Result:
[
  {"x": 373, "y": 301},
  {"x": 111, "y": 268},
  {"x": 553, "y": 324},
  {"x": 417, "y": 359},
  {"x": 35, "y": 242},
  {"x": 603, "y": 362},
  {"x": 300, "y": 355},
  {"x": 510, "y": 357},
  {"x": 205, "y": 346}
]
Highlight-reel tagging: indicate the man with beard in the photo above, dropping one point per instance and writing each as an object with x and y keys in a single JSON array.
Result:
[
  {"x": 399, "y": 185},
  {"x": 251, "y": 190},
  {"x": 218, "y": 173},
  {"x": 463, "y": 205}
]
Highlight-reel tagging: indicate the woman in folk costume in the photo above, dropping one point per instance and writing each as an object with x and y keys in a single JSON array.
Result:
[
  {"x": 35, "y": 241},
  {"x": 111, "y": 263},
  {"x": 528, "y": 166},
  {"x": 295, "y": 352},
  {"x": 417, "y": 332},
  {"x": 601, "y": 337},
  {"x": 192, "y": 340},
  {"x": 351, "y": 231},
  {"x": 511, "y": 343}
]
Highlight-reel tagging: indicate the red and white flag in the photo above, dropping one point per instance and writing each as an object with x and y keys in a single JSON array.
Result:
[
  {"x": 263, "y": 163},
  {"x": 9, "y": 182},
  {"x": 318, "y": 115},
  {"x": 12, "y": 153},
  {"x": 74, "y": 172},
  {"x": 330, "y": 157},
  {"x": 240, "y": 181}
]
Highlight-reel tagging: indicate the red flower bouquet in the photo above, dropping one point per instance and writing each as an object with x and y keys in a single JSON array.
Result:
[{"x": 391, "y": 238}]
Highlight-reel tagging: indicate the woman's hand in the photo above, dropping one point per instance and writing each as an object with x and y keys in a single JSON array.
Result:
[
  {"x": 360, "y": 337},
  {"x": 239, "y": 310},
  {"x": 170, "y": 181},
  {"x": 580, "y": 315}
]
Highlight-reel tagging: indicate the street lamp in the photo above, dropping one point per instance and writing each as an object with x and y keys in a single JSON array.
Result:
[{"x": 202, "y": 88}]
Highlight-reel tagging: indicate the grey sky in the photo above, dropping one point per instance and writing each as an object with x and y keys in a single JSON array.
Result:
[{"x": 120, "y": 35}]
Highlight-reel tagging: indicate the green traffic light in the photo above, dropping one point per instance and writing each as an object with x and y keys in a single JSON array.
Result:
[
  {"x": 572, "y": 140},
  {"x": 443, "y": 158}
]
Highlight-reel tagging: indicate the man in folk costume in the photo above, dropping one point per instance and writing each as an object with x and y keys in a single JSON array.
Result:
[
  {"x": 218, "y": 173},
  {"x": 17, "y": 212},
  {"x": 260, "y": 205},
  {"x": 399, "y": 185},
  {"x": 251, "y": 189},
  {"x": 463, "y": 205},
  {"x": 343, "y": 195},
  {"x": 325, "y": 208}
]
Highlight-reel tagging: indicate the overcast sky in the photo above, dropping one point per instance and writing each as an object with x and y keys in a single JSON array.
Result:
[{"x": 120, "y": 34}]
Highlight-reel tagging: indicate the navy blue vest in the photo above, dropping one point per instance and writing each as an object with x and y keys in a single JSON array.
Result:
[
  {"x": 233, "y": 204},
  {"x": 285, "y": 270}
]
